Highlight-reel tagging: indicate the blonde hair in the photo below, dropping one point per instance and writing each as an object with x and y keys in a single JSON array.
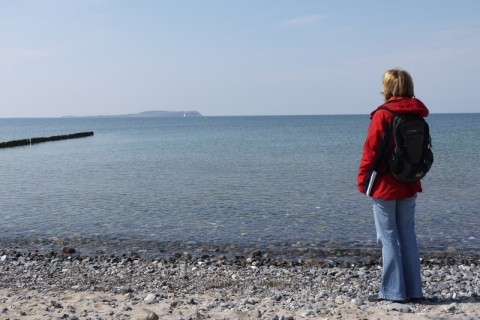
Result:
[{"x": 397, "y": 83}]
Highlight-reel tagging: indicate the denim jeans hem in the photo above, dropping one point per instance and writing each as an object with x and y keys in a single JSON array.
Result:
[{"x": 391, "y": 298}]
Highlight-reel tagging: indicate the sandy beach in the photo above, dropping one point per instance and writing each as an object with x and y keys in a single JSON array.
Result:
[{"x": 71, "y": 286}]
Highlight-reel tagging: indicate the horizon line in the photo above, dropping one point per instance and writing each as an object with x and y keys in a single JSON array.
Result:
[{"x": 134, "y": 115}]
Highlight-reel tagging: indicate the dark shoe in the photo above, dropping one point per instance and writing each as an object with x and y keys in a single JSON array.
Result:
[
  {"x": 417, "y": 300},
  {"x": 376, "y": 298}
]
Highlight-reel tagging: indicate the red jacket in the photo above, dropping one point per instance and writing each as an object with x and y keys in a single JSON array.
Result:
[{"x": 386, "y": 186}]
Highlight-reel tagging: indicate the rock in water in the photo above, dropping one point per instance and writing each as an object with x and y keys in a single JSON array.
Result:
[{"x": 68, "y": 250}]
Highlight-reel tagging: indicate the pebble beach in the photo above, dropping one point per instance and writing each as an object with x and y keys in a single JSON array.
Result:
[{"x": 64, "y": 284}]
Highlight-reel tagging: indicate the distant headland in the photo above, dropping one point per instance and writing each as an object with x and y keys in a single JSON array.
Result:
[{"x": 148, "y": 114}]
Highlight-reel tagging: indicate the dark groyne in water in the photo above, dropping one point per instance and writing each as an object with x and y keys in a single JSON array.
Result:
[{"x": 30, "y": 141}]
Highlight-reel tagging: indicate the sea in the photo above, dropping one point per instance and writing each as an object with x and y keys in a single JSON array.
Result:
[{"x": 148, "y": 184}]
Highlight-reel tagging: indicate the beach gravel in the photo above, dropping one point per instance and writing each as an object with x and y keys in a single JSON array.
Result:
[{"x": 53, "y": 285}]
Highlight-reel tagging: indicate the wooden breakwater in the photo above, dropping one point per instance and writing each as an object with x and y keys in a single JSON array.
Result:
[{"x": 30, "y": 141}]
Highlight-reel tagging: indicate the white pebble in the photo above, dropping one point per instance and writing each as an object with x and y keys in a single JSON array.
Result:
[{"x": 150, "y": 298}]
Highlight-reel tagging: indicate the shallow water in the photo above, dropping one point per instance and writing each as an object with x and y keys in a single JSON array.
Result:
[{"x": 247, "y": 181}]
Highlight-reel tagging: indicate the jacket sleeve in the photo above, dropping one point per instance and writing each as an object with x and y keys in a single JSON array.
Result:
[{"x": 372, "y": 145}]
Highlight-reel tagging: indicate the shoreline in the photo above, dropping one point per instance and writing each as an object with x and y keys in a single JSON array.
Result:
[
  {"x": 152, "y": 249},
  {"x": 187, "y": 285}
]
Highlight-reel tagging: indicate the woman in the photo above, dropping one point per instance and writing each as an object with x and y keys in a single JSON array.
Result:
[{"x": 393, "y": 201}]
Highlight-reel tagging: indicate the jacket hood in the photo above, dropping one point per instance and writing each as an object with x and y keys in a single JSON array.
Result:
[{"x": 405, "y": 105}]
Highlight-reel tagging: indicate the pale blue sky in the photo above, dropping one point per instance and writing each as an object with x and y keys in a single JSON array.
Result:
[{"x": 225, "y": 57}]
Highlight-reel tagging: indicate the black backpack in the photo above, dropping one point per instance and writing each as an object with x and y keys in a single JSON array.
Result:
[{"x": 412, "y": 157}]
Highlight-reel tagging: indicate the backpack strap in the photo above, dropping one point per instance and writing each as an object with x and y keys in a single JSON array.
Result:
[
  {"x": 384, "y": 146},
  {"x": 383, "y": 107}
]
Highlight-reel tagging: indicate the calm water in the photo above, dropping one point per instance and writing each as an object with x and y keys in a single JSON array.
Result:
[{"x": 224, "y": 180}]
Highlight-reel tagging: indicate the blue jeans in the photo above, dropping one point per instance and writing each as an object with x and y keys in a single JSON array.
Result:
[{"x": 395, "y": 225}]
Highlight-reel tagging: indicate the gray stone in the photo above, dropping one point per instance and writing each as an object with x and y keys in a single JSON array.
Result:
[
  {"x": 451, "y": 307},
  {"x": 146, "y": 314},
  {"x": 339, "y": 300},
  {"x": 152, "y": 316},
  {"x": 167, "y": 310},
  {"x": 150, "y": 298},
  {"x": 357, "y": 301},
  {"x": 404, "y": 308},
  {"x": 307, "y": 313}
]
